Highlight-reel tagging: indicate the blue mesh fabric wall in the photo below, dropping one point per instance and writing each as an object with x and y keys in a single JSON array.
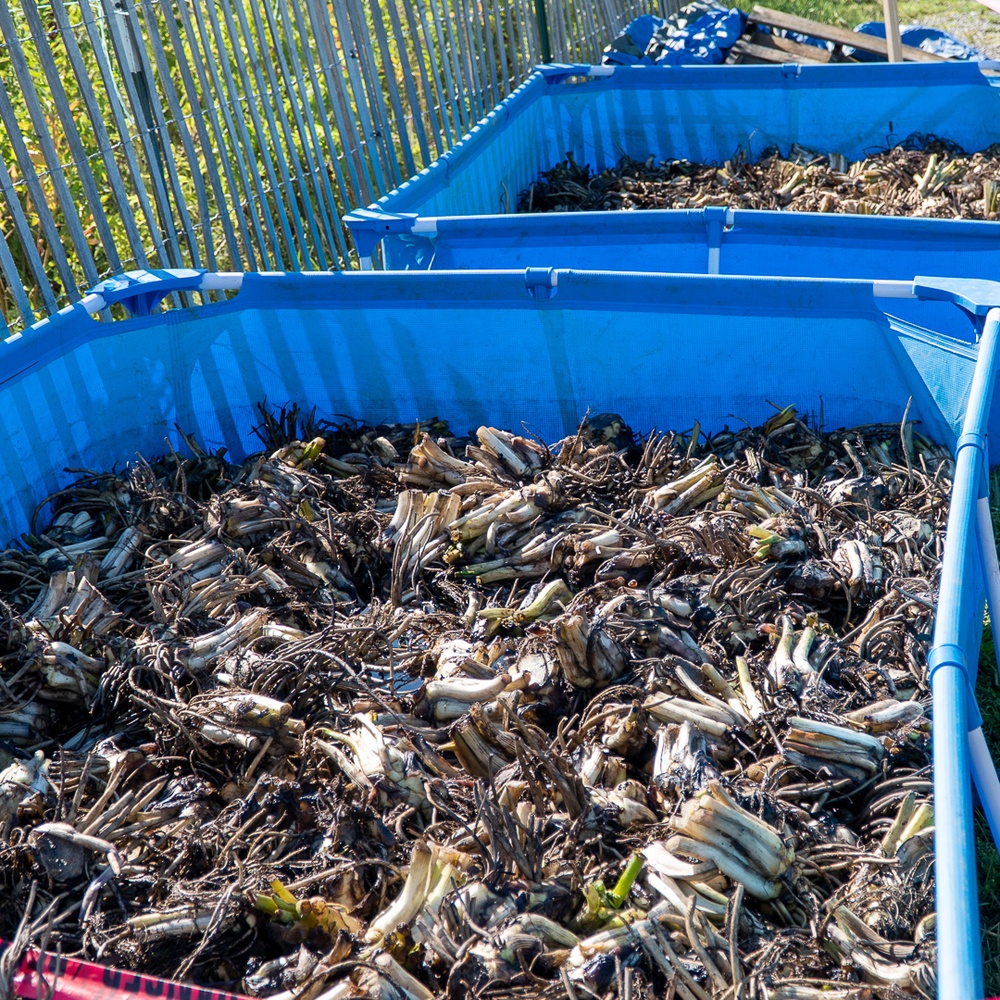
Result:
[
  {"x": 662, "y": 350},
  {"x": 705, "y": 114}
]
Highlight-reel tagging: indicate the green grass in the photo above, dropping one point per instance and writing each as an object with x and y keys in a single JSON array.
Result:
[
  {"x": 850, "y": 13},
  {"x": 988, "y": 861}
]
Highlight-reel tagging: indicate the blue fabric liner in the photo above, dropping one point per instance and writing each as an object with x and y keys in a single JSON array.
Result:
[
  {"x": 702, "y": 33},
  {"x": 700, "y": 113}
]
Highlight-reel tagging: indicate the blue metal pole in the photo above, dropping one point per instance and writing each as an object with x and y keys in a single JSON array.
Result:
[{"x": 959, "y": 959}]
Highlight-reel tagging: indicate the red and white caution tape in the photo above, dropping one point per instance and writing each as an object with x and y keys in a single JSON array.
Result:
[{"x": 73, "y": 979}]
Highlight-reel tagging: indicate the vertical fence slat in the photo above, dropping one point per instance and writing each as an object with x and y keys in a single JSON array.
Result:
[
  {"x": 590, "y": 50},
  {"x": 327, "y": 151},
  {"x": 8, "y": 268},
  {"x": 269, "y": 135},
  {"x": 191, "y": 229},
  {"x": 207, "y": 162},
  {"x": 552, "y": 13},
  {"x": 55, "y": 170},
  {"x": 202, "y": 90},
  {"x": 297, "y": 182},
  {"x": 406, "y": 72},
  {"x": 102, "y": 140},
  {"x": 446, "y": 57},
  {"x": 388, "y": 68},
  {"x": 374, "y": 89},
  {"x": 180, "y": 217},
  {"x": 61, "y": 101},
  {"x": 360, "y": 118},
  {"x": 432, "y": 86},
  {"x": 227, "y": 96},
  {"x": 495, "y": 22},
  {"x": 467, "y": 47},
  {"x": 125, "y": 143},
  {"x": 527, "y": 30},
  {"x": 315, "y": 210},
  {"x": 338, "y": 89},
  {"x": 145, "y": 131},
  {"x": 243, "y": 97},
  {"x": 28, "y": 246},
  {"x": 486, "y": 54},
  {"x": 37, "y": 195}
]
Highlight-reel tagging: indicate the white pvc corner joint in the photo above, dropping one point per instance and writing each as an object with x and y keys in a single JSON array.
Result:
[
  {"x": 93, "y": 303},
  {"x": 222, "y": 281},
  {"x": 893, "y": 290}
]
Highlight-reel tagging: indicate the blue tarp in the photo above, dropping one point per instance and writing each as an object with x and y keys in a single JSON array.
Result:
[
  {"x": 700, "y": 33},
  {"x": 921, "y": 37},
  {"x": 703, "y": 32}
]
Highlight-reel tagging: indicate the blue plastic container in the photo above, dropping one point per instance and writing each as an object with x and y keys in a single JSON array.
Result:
[
  {"x": 458, "y": 212},
  {"x": 538, "y": 346}
]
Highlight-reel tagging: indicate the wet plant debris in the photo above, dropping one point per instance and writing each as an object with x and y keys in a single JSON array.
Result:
[
  {"x": 386, "y": 712},
  {"x": 925, "y": 176}
]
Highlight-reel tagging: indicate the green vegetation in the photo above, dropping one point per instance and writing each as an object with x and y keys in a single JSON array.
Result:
[
  {"x": 988, "y": 861},
  {"x": 851, "y": 13}
]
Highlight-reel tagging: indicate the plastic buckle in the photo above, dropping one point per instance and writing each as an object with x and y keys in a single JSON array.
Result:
[
  {"x": 369, "y": 226},
  {"x": 141, "y": 291},
  {"x": 541, "y": 282}
]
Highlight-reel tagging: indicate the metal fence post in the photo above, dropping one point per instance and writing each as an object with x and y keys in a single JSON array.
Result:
[{"x": 542, "y": 17}]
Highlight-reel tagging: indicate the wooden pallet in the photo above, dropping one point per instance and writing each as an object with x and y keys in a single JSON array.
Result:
[
  {"x": 758, "y": 46},
  {"x": 762, "y": 47}
]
